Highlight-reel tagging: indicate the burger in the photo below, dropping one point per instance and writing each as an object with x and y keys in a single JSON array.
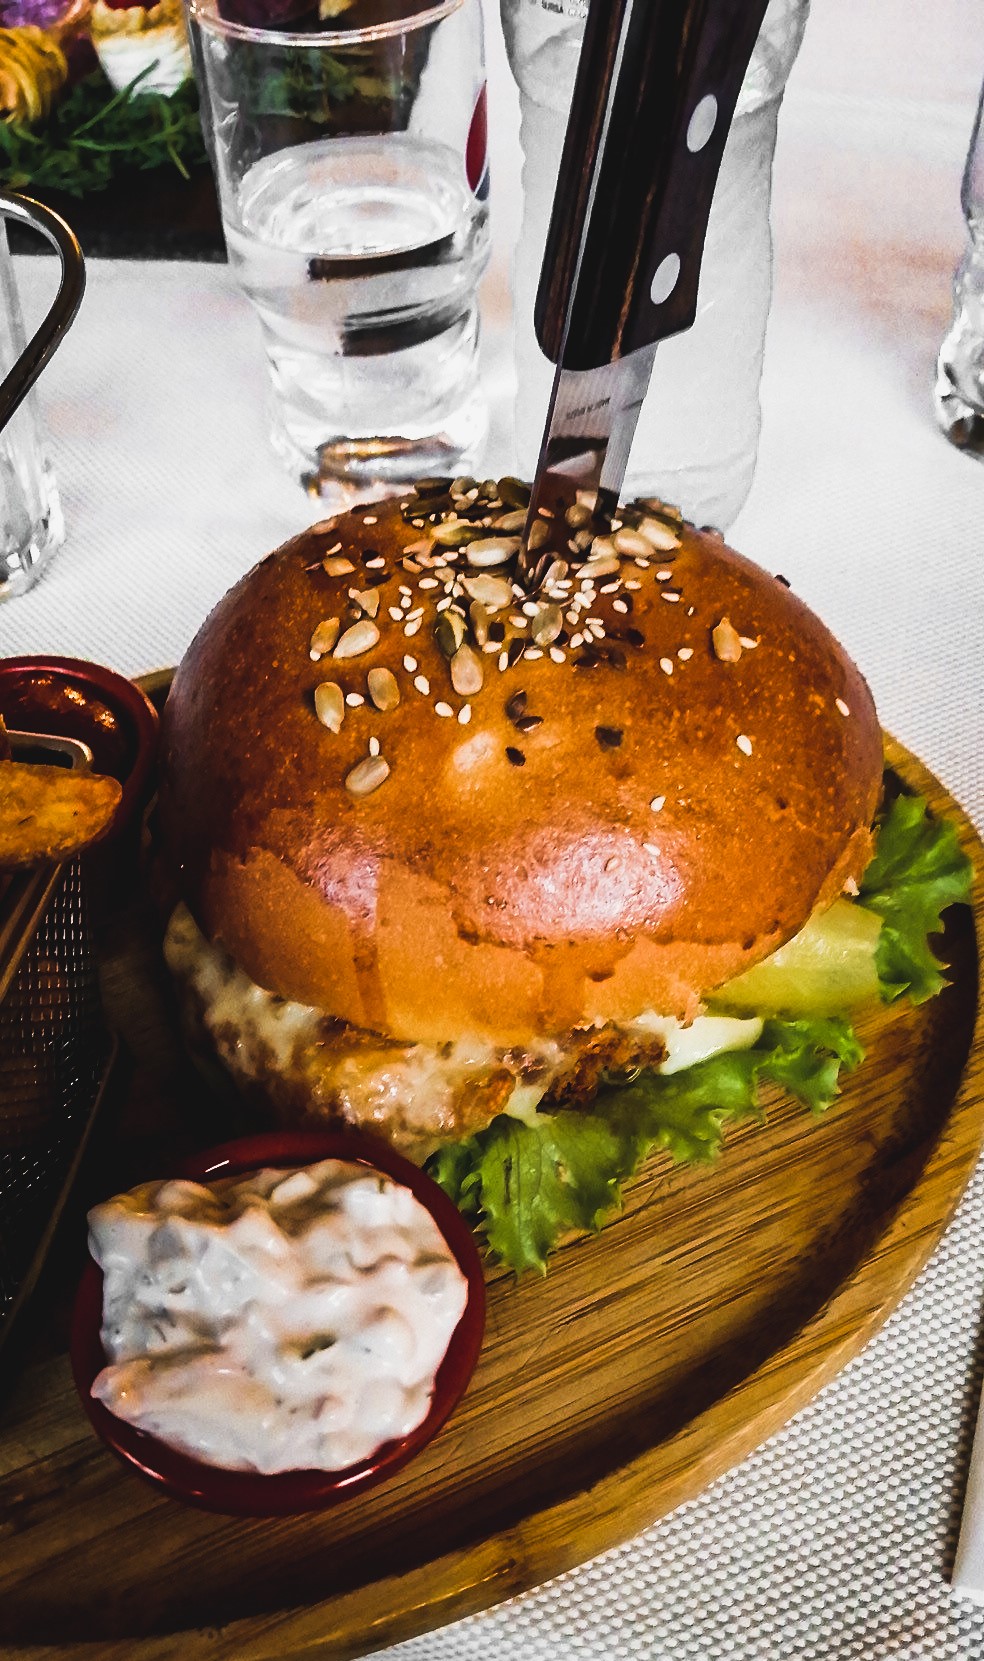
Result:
[{"x": 532, "y": 859}]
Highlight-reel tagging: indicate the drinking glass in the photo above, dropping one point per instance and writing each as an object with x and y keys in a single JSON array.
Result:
[
  {"x": 697, "y": 439},
  {"x": 353, "y": 182},
  {"x": 31, "y": 525}
]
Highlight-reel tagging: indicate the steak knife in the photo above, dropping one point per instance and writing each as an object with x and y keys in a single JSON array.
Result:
[{"x": 654, "y": 97}]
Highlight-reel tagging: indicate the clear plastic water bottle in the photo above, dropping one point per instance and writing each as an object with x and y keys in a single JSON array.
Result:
[
  {"x": 697, "y": 438},
  {"x": 960, "y": 366}
]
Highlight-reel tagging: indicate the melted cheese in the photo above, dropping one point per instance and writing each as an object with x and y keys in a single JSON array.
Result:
[{"x": 706, "y": 1036}]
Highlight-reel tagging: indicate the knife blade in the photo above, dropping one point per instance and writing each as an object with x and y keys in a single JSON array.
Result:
[{"x": 654, "y": 98}]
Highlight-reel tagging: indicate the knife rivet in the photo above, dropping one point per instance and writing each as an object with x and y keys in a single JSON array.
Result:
[
  {"x": 665, "y": 280},
  {"x": 702, "y": 123}
]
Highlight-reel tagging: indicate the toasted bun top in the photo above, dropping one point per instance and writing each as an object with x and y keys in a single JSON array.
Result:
[{"x": 578, "y": 840}]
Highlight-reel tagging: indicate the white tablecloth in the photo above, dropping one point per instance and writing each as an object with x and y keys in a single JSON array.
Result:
[{"x": 834, "y": 1540}]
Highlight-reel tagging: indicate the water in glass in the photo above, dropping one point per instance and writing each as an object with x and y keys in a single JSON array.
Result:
[{"x": 361, "y": 256}]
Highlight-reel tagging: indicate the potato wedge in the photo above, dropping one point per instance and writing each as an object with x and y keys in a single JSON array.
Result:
[{"x": 49, "y": 813}]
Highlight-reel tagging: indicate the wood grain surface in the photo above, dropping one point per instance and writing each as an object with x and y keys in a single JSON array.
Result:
[{"x": 651, "y": 1358}]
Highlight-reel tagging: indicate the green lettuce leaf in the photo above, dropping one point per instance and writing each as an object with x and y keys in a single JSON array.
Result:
[
  {"x": 526, "y": 1183},
  {"x": 918, "y": 870},
  {"x": 806, "y": 1057}
]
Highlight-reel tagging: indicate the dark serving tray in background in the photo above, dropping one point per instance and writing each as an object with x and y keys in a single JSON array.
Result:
[{"x": 151, "y": 215}]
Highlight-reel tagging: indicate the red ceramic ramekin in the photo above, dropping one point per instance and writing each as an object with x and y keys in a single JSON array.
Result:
[
  {"x": 245, "y": 1493},
  {"x": 71, "y": 698}
]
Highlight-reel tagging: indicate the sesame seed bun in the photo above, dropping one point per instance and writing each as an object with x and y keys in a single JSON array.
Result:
[{"x": 621, "y": 826}]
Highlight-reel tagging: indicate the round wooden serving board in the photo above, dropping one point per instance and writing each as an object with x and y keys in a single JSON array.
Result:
[{"x": 651, "y": 1358}]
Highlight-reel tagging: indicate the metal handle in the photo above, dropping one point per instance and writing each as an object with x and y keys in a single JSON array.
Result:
[
  {"x": 61, "y": 313},
  {"x": 654, "y": 97}
]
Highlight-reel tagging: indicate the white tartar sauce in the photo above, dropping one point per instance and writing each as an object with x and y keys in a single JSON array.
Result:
[{"x": 288, "y": 1320}]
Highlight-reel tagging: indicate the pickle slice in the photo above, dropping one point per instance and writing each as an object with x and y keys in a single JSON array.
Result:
[{"x": 827, "y": 968}]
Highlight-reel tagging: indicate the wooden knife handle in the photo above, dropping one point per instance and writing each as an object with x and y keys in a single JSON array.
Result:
[{"x": 654, "y": 97}]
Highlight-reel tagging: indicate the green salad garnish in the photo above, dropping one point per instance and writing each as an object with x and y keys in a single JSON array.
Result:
[{"x": 93, "y": 134}]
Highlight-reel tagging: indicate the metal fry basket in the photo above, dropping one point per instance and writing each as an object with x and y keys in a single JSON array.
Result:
[{"x": 55, "y": 1047}]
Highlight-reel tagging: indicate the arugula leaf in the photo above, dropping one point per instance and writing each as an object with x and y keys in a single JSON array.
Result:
[
  {"x": 94, "y": 133},
  {"x": 918, "y": 870},
  {"x": 526, "y": 1183}
]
